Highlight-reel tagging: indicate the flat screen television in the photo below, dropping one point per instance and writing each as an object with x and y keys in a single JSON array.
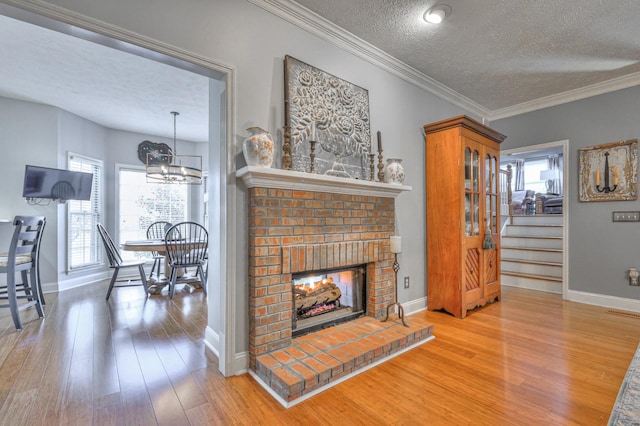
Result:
[{"x": 57, "y": 184}]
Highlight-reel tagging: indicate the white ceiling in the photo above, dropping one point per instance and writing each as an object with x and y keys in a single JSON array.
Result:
[
  {"x": 501, "y": 57},
  {"x": 494, "y": 57},
  {"x": 107, "y": 86}
]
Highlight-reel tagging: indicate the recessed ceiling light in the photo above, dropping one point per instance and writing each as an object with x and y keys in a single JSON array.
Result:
[{"x": 437, "y": 13}]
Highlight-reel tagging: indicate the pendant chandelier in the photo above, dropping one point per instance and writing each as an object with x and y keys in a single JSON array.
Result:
[{"x": 169, "y": 167}]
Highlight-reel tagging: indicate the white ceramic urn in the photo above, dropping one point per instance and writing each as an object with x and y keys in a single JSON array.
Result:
[
  {"x": 394, "y": 171},
  {"x": 258, "y": 148}
]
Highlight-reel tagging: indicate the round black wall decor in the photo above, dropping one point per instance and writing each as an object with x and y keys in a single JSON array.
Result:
[{"x": 158, "y": 153}]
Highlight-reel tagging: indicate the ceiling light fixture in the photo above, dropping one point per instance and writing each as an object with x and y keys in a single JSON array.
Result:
[
  {"x": 437, "y": 13},
  {"x": 174, "y": 168}
]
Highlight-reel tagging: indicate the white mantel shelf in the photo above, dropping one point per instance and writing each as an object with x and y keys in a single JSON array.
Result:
[{"x": 262, "y": 177}]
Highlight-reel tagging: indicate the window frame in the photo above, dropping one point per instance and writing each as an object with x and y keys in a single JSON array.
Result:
[
  {"x": 117, "y": 202},
  {"x": 97, "y": 211}
]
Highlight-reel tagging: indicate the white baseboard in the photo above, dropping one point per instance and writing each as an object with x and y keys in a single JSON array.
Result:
[
  {"x": 240, "y": 364},
  {"x": 621, "y": 303},
  {"x": 212, "y": 341},
  {"x": 413, "y": 306},
  {"x": 79, "y": 281}
]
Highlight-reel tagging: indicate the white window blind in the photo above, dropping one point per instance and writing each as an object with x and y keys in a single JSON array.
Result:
[
  {"x": 83, "y": 241},
  {"x": 141, "y": 203}
]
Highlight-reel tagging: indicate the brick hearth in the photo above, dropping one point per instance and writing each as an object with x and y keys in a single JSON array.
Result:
[{"x": 330, "y": 355}]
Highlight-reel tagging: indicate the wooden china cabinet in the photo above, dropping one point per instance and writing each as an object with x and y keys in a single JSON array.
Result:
[{"x": 463, "y": 218}]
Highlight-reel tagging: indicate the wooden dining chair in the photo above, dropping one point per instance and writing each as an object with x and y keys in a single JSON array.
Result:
[
  {"x": 22, "y": 258},
  {"x": 116, "y": 263},
  {"x": 186, "y": 246},
  {"x": 157, "y": 231}
]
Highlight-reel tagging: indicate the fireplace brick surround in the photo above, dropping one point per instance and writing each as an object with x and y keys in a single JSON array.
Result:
[
  {"x": 302, "y": 222},
  {"x": 295, "y": 231}
]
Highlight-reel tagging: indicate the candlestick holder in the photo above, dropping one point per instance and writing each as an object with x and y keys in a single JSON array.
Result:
[
  {"x": 286, "y": 148},
  {"x": 606, "y": 188},
  {"x": 312, "y": 156},
  {"x": 372, "y": 167},
  {"x": 380, "y": 167}
]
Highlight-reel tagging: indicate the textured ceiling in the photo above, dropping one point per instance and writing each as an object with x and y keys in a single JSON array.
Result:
[
  {"x": 500, "y": 53},
  {"x": 107, "y": 86},
  {"x": 490, "y": 56}
]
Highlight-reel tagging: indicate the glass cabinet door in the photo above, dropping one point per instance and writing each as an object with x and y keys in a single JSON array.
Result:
[
  {"x": 472, "y": 192},
  {"x": 491, "y": 183}
]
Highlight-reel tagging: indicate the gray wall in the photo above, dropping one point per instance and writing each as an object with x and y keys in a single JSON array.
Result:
[
  {"x": 43, "y": 135},
  {"x": 28, "y": 135},
  {"x": 600, "y": 252},
  {"x": 255, "y": 42}
]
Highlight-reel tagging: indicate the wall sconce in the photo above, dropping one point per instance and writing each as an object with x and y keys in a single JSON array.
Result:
[
  {"x": 606, "y": 188},
  {"x": 395, "y": 246},
  {"x": 633, "y": 276}
]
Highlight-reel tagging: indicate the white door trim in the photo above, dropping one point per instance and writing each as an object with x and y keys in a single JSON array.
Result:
[
  {"x": 566, "y": 188},
  {"x": 222, "y": 292}
]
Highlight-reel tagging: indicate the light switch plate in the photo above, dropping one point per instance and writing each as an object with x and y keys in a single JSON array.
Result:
[{"x": 626, "y": 216}]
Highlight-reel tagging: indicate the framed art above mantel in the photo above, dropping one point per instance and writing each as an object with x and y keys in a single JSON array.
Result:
[
  {"x": 332, "y": 112},
  {"x": 609, "y": 172}
]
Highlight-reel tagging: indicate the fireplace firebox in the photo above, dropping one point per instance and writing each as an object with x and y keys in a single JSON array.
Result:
[{"x": 325, "y": 298}]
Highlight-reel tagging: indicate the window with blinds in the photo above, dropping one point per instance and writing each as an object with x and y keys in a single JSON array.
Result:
[
  {"x": 83, "y": 241},
  {"x": 140, "y": 203}
]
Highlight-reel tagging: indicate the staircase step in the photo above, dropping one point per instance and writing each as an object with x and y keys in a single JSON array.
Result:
[
  {"x": 533, "y": 242},
  {"x": 536, "y": 268},
  {"x": 534, "y": 230},
  {"x": 532, "y": 282},
  {"x": 538, "y": 219},
  {"x": 534, "y": 254},
  {"x": 533, "y": 276}
]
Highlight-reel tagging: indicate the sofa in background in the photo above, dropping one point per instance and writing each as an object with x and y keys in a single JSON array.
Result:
[
  {"x": 548, "y": 204},
  {"x": 523, "y": 202}
]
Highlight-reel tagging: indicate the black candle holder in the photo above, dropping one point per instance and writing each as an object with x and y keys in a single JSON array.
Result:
[
  {"x": 396, "y": 268},
  {"x": 606, "y": 188}
]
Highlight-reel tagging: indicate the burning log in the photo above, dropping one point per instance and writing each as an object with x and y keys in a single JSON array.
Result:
[{"x": 320, "y": 292}]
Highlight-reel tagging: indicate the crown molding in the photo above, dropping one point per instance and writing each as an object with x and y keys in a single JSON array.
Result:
[
  {"x": 603, "y": 87},
  {"x": 309, "y": 21}
]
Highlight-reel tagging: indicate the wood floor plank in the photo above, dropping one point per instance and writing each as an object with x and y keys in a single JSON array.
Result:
[
  {"x": 166, "y": 404},
  {"x": 530, "y": 359}
]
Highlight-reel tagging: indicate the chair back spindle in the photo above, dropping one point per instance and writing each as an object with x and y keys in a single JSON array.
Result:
[
  {"x": 23, "y": 257},
  {"x": 116, "y": 263},
  {"x": 186, "y": 245}
]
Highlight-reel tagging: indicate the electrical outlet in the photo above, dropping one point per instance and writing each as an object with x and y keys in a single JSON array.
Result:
[{"x": 406, "y": 282}]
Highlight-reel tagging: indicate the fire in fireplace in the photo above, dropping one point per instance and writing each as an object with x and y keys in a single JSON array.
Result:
[{"x": 326, "y": 298}]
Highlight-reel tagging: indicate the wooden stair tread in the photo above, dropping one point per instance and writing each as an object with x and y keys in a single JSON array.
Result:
[
  {"x": 550, "y": 250},
  {"x": 551, "y": 225},
  {"x": 530, "y": 236},
  {"x": 532, "y": 276},
  {"x": 532, "y": 262}
]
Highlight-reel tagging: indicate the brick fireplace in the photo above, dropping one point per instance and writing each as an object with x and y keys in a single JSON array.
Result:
[{"x": 300, "y": 222}]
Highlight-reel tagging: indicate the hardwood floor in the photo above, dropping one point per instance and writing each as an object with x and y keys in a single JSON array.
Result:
[{"x": 531, "y": 359}]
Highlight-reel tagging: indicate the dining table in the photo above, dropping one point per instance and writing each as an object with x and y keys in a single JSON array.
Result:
[{"x": 156, "y": 285}]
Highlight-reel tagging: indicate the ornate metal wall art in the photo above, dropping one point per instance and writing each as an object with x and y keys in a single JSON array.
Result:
[{"x": 337, "y": 111}]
